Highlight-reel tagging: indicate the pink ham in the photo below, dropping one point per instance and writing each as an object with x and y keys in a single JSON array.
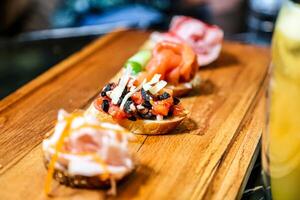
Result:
[
  {"x": 206, "y": 40},
  {"x": 103, "y": 142}
]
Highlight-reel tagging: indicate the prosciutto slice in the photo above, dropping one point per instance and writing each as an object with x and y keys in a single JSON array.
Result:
[{"x": 206, "y": 40}]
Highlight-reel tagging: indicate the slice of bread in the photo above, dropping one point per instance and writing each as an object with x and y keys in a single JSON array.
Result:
[
  {"x": 183, "y": 89},
  {"x": 141, "y": 126},
  {"x": 79, "y": 181}
]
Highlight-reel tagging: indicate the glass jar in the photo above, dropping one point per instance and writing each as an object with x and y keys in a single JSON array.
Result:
[{"x": 281, "y": 140}]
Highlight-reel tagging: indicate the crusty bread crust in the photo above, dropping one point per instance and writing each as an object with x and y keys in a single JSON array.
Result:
[
  {"x": 79, "y": 181},
  {"x": 183, "y": 89},
  {"x": 141, "y": 126}
]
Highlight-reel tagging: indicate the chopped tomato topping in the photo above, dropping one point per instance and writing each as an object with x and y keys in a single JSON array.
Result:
[
  {"x": 98, "y": 103},
  {"x": 116, "y": 112},
  {"x": 137, "y": 97},
  {"x": 162, "y": 107},
  {"x": 160, "y": 104},
  {"x": 168, "y": 102},
  {"x": 136, "y": 83}
]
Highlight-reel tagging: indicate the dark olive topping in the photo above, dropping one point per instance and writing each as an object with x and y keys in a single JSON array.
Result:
[
  {"x": 119, "y": 101},
  {"x": 145, "y": 96},
  {"x": 143, "y": 111},
  {"x": 148, "y": 115},
  {"x": 108, "y": 87},
  {"x": 132, "y": 118},
  {"x": 127, "y": 106},
  {"x": 165, "y": 95},
  {"x": 103, "y": 94},
  {"x": 147, "y": 104},
  {"x": 176, "y": 100},
  {"x": 124, "y": 92},
  {"x": 170, "y": 113},
  {"x": 105, "y": 105},
  {"x": 122, "y": 97}
]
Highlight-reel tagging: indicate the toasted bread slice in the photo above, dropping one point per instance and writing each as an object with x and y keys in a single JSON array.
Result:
[
  {"x": 184, "y": 88},
  {"x": 141, "y": 126},
  {"x": 79, "y": 181}
]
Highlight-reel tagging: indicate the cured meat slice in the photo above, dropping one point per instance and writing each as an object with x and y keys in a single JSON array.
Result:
[{"x": 206, "y": 40}]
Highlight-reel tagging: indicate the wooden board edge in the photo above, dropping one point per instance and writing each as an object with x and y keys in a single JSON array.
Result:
[
  {"x": 258, "y": 101},
  {"x": 249, "y": 169}
]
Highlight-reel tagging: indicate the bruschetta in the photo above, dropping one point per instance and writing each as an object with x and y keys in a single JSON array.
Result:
[
  {"x": 204, "y": 39},
  {"x": 175, "y": 62},
  {"x": 142, "y": 108},
  {"x": 86, "y": 153}
]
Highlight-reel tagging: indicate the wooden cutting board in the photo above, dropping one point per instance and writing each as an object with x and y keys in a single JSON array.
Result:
[{"x": 208, "y": 157}]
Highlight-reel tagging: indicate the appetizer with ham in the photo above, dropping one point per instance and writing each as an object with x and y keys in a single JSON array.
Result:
[
  {"x": 84, "y": 152},
  {"x": 175, "y": 62},
  {"x": 204, "y": 39},
  {"x": 178, "y": 53},
  {"x": 142, "y": 108}
]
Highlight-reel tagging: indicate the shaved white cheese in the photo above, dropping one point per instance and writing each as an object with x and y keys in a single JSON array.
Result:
[
  {"x": 108, "y": 93},
  {"x": 140, "y": 107},
  {"x": 188, "y": 85},
  {"x": 156, "y": 88},
  {"x": 146, "y": 87},
  {"x": 132, "y": 88},
  {"x": 154, "y": 80},
  {"x": 129, "y": 94},
  {"x": 159, "y": 117},
  {"x": 132, "y": 107},
  {"x": 130, "y": 83},
  {"x": 117, "y": 92}
]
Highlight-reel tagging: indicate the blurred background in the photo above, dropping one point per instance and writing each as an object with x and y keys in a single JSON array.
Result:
[{"x": 37, "y": 34}]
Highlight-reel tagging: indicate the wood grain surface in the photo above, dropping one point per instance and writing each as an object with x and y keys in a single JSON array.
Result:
[{"x": 207, "y": 157}]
